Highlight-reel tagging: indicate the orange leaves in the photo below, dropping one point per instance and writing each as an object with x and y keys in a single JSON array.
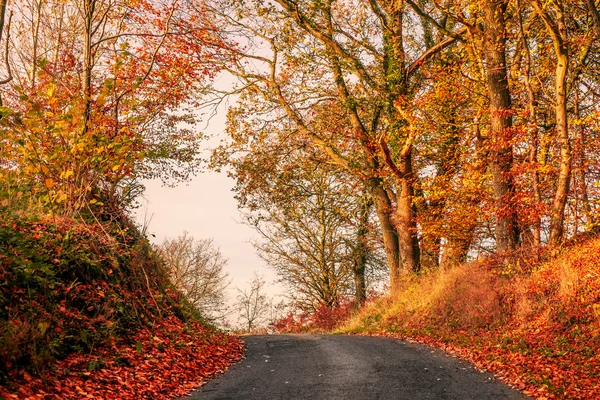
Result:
[
  {"x": 175, "y": 358},
  {"x": 541, "y": 338}
]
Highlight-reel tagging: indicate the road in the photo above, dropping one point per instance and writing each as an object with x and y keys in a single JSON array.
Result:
[{"x": 349, "y": 368}]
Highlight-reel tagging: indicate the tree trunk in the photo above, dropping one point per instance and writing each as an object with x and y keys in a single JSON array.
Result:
[
  {"x": 500, "y": 152},
  {"x": 455, "y": 252},
  {"x": 406, "y": 219},
  {"x": 430, "y": 251},
  {"x": 360, "y": 252},
  {"x": 555, "y": 24},
  {"x": 532, "y": 130},
  {"x": 582, "y": 166},
  {"x": 459, "y": 241},
  {"x": 89, "y": 7},
  {"x": 562, "y": 130},
  {"x": 383, "y": 205}
]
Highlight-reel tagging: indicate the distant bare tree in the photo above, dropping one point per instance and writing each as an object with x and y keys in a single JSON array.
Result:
[
  {"x": 253, "y": 304},
  {"x": 196, "y": 268}
]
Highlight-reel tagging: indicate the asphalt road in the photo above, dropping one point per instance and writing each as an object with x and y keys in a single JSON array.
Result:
[{"x": 349, "y": 368}]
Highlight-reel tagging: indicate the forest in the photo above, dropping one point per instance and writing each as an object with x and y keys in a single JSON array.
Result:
[{"x": 439, "y": 158}]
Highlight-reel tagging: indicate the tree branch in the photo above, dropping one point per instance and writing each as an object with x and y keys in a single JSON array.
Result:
[{"x": 414, "y": 67}]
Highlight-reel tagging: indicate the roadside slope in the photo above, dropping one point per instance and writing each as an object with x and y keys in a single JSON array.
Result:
[
  {"x": 537, "y": 328},
  {"x": 86, "y": 309}
]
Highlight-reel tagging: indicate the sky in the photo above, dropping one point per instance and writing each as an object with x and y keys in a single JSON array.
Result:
[{"x": 206, "y": 208}]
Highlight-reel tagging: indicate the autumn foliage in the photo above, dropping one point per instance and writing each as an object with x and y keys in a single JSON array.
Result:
[
  {"x": 536, "y": 327},
  {"x": 92, "y": 304},
  {"x": 323, "y": 319},
  {"x": 165, "y": 361}
]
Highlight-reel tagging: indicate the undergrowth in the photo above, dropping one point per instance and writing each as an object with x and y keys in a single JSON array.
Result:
[
  {"x": 76, "y": 292},
  {"x": 535, "y": 326}
]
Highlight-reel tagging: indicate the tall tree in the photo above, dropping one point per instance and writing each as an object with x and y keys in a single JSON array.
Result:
[
  {"x": 352, "y": 59},
  {"x": 314, "y": 220}
]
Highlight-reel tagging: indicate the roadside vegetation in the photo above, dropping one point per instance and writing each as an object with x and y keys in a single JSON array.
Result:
[
  {"x": 95, "y": 97},
  {"x": 444, "y": 152},
  {"x": 87, "y": 309},
  {"x": 535, "y": 325}
]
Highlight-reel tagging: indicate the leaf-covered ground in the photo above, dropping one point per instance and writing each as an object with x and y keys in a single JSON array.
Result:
[
  {"x": 87, "y": 311},
  {"x": 164, "y": 362},
  {"x": 538, "y": 330}
]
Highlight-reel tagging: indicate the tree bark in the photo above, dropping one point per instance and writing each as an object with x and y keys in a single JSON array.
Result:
[
  {"x": 532, "y": 130},
  {"x": 556, "y": 26},
  {"x": 383, "y": 205},
  {"x": 455, "y": 251},
  {"x": 562, "y": 130},
  {"x": 582, "y": 166},
  {"x": 89, "y": 7},
  {"x": 406, "y": 218},
  {"x": 500, "y": 149},
  {"x": 360, "y": 252}
]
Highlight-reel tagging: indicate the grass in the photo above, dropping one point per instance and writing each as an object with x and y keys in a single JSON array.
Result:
[{"x": 537, "y": 327}]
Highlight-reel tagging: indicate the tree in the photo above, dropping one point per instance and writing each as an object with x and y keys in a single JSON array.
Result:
[
  {"x": 446, "y": 112},
  {"x": 354, "y": 60},
  {"x": 253, "y": 303},
  {"x": 315, "y": 221},
  {"x": 317, "y": 239},
  {"x": 554, "y": 16},
  {"x": 196, "y": 267},
  {"x": 101, "y": 96}
]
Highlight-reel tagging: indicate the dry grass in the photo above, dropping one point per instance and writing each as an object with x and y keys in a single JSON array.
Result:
[{"x": 539, "y": 329}]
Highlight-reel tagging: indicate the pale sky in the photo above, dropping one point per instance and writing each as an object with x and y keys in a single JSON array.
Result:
[{"x": 206, "y": 208}]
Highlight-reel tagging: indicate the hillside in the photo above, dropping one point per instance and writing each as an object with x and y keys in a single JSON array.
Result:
[
  {"x": 536, "y": 327},
  {"x": 86, "y": 310}
]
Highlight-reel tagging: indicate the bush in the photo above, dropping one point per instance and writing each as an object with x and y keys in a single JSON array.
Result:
[
  {"x": 68, "y": 286},
  {"x": 324, "y": 319}
]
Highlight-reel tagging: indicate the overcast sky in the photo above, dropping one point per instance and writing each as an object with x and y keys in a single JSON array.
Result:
[{"x": 205, "y": 207}]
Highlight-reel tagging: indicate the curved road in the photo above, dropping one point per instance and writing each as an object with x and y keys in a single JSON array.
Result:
[{"x": 349, "y": 368}]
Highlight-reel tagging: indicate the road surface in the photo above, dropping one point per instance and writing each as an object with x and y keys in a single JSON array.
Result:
[{"x": 349, "y": 368}]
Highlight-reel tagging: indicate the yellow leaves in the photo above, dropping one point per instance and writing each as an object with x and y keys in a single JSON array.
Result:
[
  {"x": 66, "y": 174},
  {"x": 61, "y": 197},
  {"x": 51, "y": 89},
  {"x": 79, "y": 148},
  {"x": 43, "y": 327}
]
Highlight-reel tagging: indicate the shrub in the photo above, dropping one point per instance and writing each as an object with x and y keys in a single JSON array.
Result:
[
  {"x": 67, "y": 286},
  {"x": 324, "y": 319}
]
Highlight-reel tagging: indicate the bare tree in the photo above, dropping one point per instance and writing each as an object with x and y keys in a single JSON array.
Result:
[
  {"x": 196, "y": 268},
  {"x": 253, "y": 304}
]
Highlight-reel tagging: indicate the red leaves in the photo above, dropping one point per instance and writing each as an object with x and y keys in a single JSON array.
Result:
[
  {"x": 174, "y": 359},
  {"x": 105, "y": 311},
  {"x": 542, "y": 337},
  {"x": 322, "y": 320}
]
